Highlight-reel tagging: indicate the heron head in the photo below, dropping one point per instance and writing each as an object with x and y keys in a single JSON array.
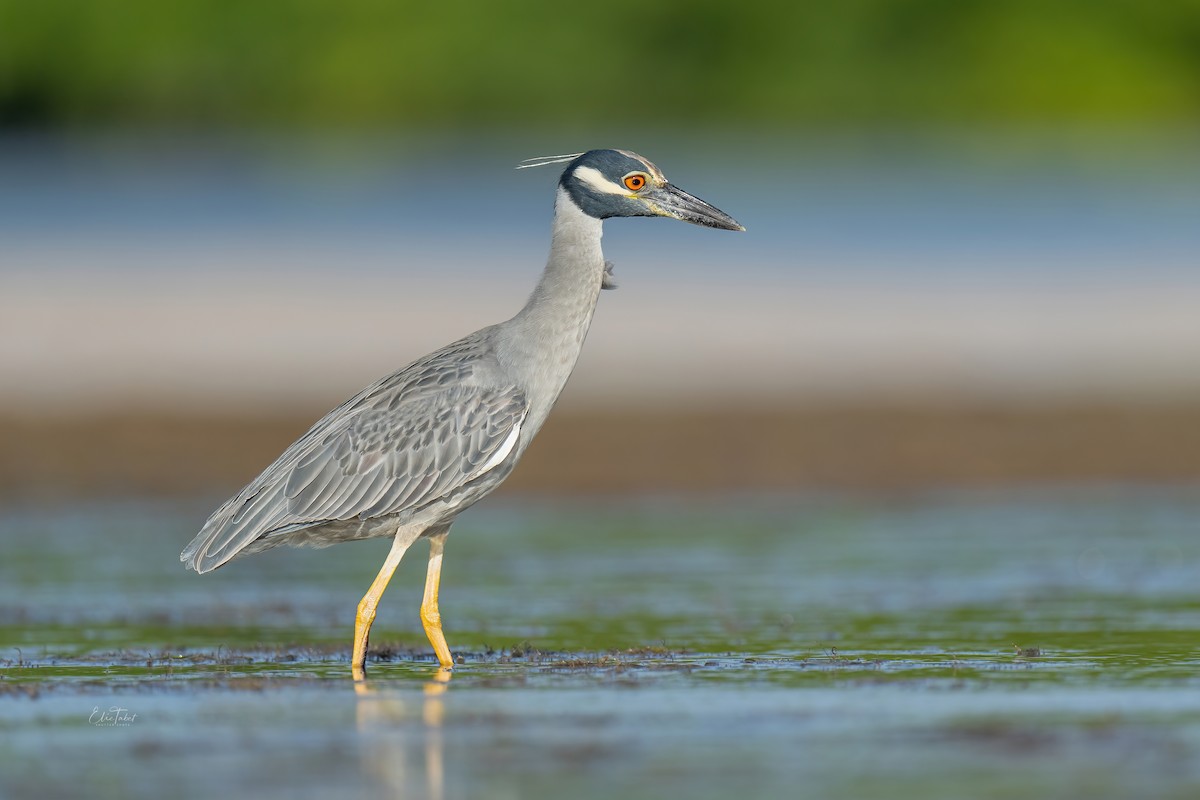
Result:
[{"x": 618, "y": 183}]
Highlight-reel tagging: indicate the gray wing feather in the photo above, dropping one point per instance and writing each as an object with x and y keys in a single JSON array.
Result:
[{"x": 383, "y": 453}]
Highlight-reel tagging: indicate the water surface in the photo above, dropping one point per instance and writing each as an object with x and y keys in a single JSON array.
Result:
[{"x": 942, "y": 645}]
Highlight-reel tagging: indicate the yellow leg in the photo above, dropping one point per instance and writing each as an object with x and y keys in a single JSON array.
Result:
[
  {"x": 430, "y": 617},
  {"x": 370, "y": 601}
]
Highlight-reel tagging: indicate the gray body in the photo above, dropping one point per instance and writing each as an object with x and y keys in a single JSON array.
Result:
[{"x": 409, "y": 453}]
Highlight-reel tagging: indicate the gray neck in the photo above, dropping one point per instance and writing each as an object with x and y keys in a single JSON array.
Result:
[{"x": 540, "y": 345}]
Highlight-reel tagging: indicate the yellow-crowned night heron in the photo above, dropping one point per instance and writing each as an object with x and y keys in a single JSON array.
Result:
[{"x": 408, "y": 454}]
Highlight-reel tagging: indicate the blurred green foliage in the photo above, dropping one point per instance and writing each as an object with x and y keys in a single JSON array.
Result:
[{"x": 363, "y": 63}]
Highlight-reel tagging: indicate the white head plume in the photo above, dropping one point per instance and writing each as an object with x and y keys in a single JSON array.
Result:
[{"x": 542, "y": 161}]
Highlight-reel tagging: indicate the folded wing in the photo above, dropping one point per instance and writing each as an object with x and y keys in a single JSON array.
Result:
[{"x": 368, "y": 462}]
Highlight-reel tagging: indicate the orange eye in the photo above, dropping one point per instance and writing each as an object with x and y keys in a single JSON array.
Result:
[{"x": 635, "y": 182}]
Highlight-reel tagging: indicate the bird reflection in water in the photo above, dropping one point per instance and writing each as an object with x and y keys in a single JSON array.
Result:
[{"x": 390, "y": 734}]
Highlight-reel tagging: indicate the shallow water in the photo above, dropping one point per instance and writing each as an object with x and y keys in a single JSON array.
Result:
[{"x": 945, "y": 645}]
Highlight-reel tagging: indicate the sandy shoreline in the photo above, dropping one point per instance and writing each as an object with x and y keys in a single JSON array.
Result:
[{"x": 886, "y": 448}]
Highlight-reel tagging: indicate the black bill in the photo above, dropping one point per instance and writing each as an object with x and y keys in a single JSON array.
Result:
[{"x": 671, "y": 201}]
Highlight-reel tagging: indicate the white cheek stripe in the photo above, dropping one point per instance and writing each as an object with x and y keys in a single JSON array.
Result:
[
  {"x": 595, "y": 179},
  {"x": 509, "y": 443}
]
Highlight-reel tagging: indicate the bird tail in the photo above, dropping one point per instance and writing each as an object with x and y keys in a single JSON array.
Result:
[{"x": 233, "y": 528}]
